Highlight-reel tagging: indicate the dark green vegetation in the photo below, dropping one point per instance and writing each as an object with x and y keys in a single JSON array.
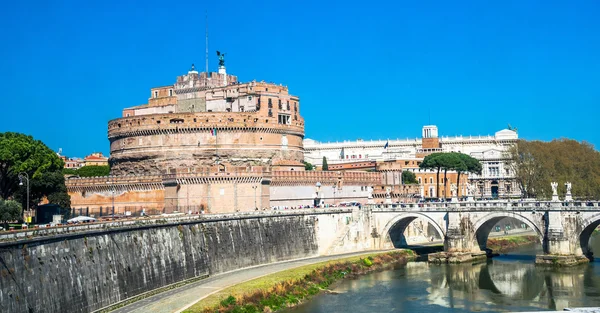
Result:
[
  {"x": 10, "y": 210},
  {"x": 536, "y": 164},
  {"x": 409, "y": 178},
  {"x": 293, "y": 291},
  {"x": 325, "y": 167},
  {"x": 450, "y": 161},
  {"x": 88, "y": 171},
  {"x": 308, "y": 166},
  {"x": 20, "y": 153}
]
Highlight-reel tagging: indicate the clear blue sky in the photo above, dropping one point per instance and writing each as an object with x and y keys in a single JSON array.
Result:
[{"x": 369, "y": 70}]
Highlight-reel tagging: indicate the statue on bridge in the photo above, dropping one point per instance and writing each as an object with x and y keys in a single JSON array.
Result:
[
  {"x": 554, "y": 188},
  {"x": 554, "y": 191},
  {"x": 568, "y": 196},
  {"x": 453, "y": 190}
]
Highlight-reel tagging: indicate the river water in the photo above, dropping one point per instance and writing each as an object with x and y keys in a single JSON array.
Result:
[{"x": 508, "y": 283}]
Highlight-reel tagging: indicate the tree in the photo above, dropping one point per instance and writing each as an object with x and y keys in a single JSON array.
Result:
[
  {"x": 21, "y": 153},
  {"x": 308, "y": 166},
  {"x": 10, "y": 210},
  {"x": 88, "y": 171},
  {"x": 432, "y": 162},
  {"x": 325, "y": 167},
  {"x": 409, "y": 177},
  {"x": 535, "y": 164}
]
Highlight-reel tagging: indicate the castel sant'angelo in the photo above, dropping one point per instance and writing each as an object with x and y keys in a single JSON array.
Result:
[{"x": 211, "y": 143}]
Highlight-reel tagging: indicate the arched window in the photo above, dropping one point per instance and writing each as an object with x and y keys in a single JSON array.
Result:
[
  {"x": 431, "y": 180},
  {"x": 419, "y": 180}
]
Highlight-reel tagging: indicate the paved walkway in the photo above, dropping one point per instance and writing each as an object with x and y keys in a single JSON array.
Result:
[{"x": 178, "y": 299}]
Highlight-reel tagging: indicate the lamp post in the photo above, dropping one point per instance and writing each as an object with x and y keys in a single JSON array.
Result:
[
  {"x": 26, "y": 177},
  {"x": 317, "y": 198},
  {"x": 334, "y": 187},
  {"x": 254, "y": 187},
  {"x": 112, "y": 183}
]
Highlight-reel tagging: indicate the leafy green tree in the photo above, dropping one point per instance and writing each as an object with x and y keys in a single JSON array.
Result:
[
  {"x": 535, "y": 164},
  {"x": 21, "y": 153},
  {"x": 308, "y": 166},
  {"x": 409, "y": 177},
  {"x": 433, "y": 161},
  {"x": 325, "y": 167},
  {"x": 10, "y": 210}
]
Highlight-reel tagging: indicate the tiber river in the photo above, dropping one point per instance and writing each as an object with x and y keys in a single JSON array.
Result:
[{"x": 509, "y": 283}]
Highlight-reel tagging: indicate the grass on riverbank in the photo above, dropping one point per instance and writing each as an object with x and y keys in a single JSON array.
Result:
[
  {"x": 290, "y": 287},
  {"x": 504, "y": 244}
]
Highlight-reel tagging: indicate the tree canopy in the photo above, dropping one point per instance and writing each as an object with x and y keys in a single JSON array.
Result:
[
  {"x": 308, "y": 166},
  {"x": 536, "y": 164},
  {"x": 20, "y": 153},
  {"x": 451, "y": 161},
  {"x": 10, "y": 210},
  {"x": 89, "y": 171},
  {"x": 409, "y": 177}
]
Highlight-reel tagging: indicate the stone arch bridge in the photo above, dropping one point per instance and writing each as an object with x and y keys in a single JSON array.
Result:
[{"x": 563, "y": 228}]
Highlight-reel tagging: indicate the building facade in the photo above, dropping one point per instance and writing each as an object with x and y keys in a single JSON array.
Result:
[{"x": 496, "y": 180}]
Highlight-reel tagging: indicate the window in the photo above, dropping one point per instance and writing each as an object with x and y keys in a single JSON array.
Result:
[
  {"x": 295, "y": 107},
  {"x": 241, "y": 109},
  {"x": 170, "y": 92},
  {"x": 156, "y": 94},
  {"x": 127, "y": 115},
  {"x": 283, "y": 119},
  {"x": 270, "y": 114},
  {"x": 250, "y": 98},
  {"x": 419, "y": 179},
  {"x": 266, "y": 89},
  {"x": 270, "y": 104},
  {"x": 431, "y": 180},
  {"x": 279, "y": 104},
  {"x": 288, "y": 105}
]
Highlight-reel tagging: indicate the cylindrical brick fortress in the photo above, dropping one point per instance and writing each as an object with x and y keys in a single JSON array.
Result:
[{"x": 158, "y": 143}]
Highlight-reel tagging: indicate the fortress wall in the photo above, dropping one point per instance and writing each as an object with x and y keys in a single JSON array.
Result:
[{"x": 87, "y": 271}]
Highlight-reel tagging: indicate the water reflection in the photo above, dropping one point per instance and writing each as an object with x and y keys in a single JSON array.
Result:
[{"x": 507, "y": 283}]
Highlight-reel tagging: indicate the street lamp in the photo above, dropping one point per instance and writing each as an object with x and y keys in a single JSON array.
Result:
[
  {"x": 112, "y": 183},
  {"x": 334, "y": 187},
  {"x": 254, "y": 187},
  {"x": 26, "y": 177}
]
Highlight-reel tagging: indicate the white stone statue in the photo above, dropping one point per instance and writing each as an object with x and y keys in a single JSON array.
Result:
[
  {"x": 470, "y": 189},
  {"x": 453, "y": 190},
  {"x": 568, "y": 184},
  {"x": 554, "y": 188}
]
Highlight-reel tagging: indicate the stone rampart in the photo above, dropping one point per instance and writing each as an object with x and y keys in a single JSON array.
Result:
[
  {"x": 293, "y": 178},
  {"x": 83, "y": 272}
]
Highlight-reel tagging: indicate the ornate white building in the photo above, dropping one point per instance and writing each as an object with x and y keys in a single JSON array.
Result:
[{"x": 497, "y": 179}]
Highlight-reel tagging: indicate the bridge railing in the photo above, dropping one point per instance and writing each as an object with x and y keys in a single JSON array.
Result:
[
  {"x": 163, "y": 220},
  {"x": 489, "y": 205}
]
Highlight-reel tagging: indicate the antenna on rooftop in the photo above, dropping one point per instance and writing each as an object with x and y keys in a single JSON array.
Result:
[{"x": 206, "y": 12}]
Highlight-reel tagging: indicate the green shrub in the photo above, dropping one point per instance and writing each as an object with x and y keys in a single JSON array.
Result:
[
  {"x": 367, "y": 262},
  {"x": 228, "y": 301}
]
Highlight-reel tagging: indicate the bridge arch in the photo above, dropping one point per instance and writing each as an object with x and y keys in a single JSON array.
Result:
[
  {"x": 483, "y": 226},
  {"x": 394, "y": 229},
  {"x": 588, "y": 226}
]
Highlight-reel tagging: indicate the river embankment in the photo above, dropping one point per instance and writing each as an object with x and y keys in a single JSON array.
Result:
[
  {"x": 295, "y": 286},
  {"x": 505, "y": 244}
]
